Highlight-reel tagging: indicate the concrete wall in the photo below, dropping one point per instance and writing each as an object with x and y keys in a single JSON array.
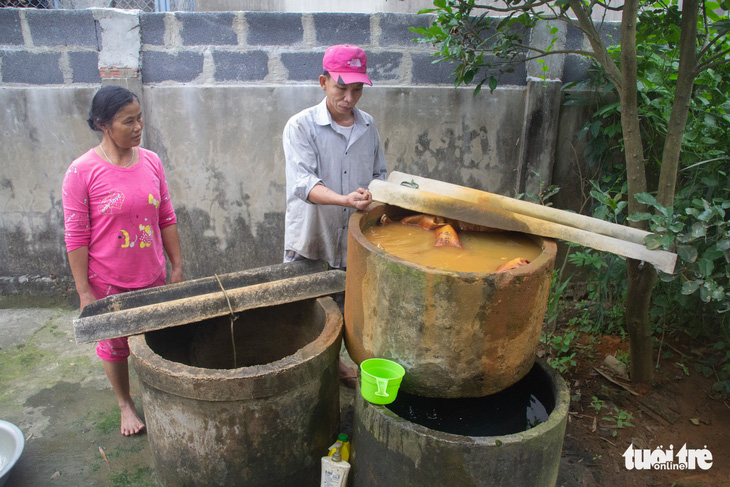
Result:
[{"x": 217, "y": 89}]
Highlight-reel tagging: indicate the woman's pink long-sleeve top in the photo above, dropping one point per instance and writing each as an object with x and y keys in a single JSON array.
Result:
[{"x": 118, "y": 213}]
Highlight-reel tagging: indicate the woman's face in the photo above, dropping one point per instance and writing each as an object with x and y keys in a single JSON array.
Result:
[{"x": 126, "y": 128}]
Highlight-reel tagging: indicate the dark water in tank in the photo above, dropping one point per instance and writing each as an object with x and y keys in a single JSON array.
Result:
[{"x": 520, "y": 407}]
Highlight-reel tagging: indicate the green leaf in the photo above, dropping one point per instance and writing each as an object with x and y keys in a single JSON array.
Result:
[
  {"x": 699, "y": 229},
  {"x": 676, "y": 227},
  {"x": 705, "y": 215},
  {"x": 722, "y": 26},
  {"x": 638, "y": 217},
  {"x": 646, "y": 199},
  {"x": 705, "y": 267},
  {"x": 687, "y": 253},
  {"x": 595, "y": 128},
  {"x": 689, "y": 287},
  {"x": 653, "y": 241},
  {"x": 718, "y": 293},
  {"x": 705, "y": 294},
  {"x": 492, "y": 83}
]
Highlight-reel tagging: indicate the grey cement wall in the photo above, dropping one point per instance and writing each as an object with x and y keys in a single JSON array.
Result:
[{"x": 217, "y": 89}]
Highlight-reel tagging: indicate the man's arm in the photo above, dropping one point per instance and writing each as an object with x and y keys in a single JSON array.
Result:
[{"x": 322, "y": 195}]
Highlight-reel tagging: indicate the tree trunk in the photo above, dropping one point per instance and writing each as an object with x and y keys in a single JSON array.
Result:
[
  {"x": 641, "y": 276},
  {"x": 680, "y": 108}
]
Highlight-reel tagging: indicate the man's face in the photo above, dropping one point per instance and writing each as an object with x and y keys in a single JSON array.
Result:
[{"x": 341, "y": 99}]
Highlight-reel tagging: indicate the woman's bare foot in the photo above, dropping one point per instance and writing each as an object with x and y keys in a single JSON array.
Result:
[
  {"x": 131, "y": 423},
  {"x": 118, "y": 374}
]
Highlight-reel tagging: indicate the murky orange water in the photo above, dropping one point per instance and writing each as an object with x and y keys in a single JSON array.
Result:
[{"x": 480, "y": 252}]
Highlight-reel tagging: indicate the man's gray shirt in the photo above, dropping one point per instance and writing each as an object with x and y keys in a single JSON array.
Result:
[{"x": 318, "y": 152}]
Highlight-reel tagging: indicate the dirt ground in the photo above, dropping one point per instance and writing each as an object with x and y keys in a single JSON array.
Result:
[
  {"x": 56, "y": 392},
  {"x": 678, "y": 408}
]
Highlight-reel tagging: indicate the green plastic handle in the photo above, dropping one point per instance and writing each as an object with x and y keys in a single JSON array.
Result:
[{"x": 382, "y": 386}]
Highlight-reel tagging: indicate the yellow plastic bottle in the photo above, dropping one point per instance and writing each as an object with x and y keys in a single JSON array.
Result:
[
  {"x": 334, "y": 469},
  {"x": 345, "y": 449}
]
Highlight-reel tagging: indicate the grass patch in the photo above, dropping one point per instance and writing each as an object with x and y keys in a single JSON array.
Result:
[
  {"x": 141, "y": 477},
  {"x": 108, "y": 422}
]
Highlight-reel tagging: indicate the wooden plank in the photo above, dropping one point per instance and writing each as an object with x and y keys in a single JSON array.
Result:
[
  {"x": 197, "y": 308},
  {"x": 204, "y": 285},
  {"x": 458, "y": 209},
  {"x": 504, "y": 203}
]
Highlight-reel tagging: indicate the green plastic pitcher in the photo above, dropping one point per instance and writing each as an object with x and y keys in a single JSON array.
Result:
[{"x": 380, "y": 379}]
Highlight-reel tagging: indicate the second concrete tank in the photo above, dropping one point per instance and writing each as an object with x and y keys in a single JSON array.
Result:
[{"x": 262, "y": 418}]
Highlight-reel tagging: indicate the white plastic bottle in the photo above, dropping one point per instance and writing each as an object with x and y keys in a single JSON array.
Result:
[{"x": 334, "y": 469}]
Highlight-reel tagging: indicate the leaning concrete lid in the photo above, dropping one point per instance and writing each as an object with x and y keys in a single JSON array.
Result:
[{"x": 153, "y": 309}]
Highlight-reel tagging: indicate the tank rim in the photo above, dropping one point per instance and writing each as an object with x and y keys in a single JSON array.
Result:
[
  {"x": 557, "y": 416},
  {"x": 200, "y": 383},
  {"x": 548, "y": 246}
]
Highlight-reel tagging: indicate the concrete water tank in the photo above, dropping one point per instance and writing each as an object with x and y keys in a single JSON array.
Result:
[
  {"x": 391, "y": 450},
  {"x": 457, "y": 334},
  {"x": 265, "y": 420}
]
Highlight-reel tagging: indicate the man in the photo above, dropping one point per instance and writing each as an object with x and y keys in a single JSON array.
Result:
[{"x": 332, "y": 151}]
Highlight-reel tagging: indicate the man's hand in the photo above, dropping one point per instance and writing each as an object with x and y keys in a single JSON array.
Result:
[
  {"x": 321, "y": 195},
  {"x": 359, "y": 199}
]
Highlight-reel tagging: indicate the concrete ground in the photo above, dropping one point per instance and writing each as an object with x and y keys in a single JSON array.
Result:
[{"x": 56, "y": 392}]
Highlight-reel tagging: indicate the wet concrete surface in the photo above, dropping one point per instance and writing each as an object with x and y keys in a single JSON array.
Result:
[{"x": 56, "y": 392}]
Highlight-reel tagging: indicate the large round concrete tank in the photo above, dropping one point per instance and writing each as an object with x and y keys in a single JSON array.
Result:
[
  {"x": 265, "y": 422},
  {"x": 390, "y": 450},
  {"x": 457, "y": 334}
]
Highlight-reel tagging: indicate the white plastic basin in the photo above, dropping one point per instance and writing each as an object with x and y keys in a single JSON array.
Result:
[{"x": 12, "y": 443}]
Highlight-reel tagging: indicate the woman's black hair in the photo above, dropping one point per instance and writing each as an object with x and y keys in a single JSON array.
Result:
[{"x": 106, "y": 103}]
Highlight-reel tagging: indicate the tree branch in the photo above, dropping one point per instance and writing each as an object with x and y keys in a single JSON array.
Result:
[
  {"x": 607, "y": 7},
  {"x": 711, "y": 61},
  {"x": 686, "y": 74},
  {"x": 599, "y": 48},
  {"x": 526, "y": 7},
  {"x": 709, "y": 44},
  {"x": 633, "y": 146}
]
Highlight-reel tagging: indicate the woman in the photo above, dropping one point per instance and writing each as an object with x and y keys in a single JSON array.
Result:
[{"x": 118, "y": 219}]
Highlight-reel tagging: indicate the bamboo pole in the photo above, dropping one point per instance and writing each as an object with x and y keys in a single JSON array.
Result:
[
  {"x": 504, "y": 203},
  {"x": 459, "y": 209}
]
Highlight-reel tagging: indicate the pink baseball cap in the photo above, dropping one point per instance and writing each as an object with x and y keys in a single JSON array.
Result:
[{"x": 346, "y": 64}]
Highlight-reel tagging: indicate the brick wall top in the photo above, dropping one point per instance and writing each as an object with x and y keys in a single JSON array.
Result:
[{"x": 67, "y": 47}]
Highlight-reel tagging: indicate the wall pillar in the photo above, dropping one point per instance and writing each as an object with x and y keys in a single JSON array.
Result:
[
  {"x": 120, "y": 48},
  {"x": 542, "y": 109}
]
